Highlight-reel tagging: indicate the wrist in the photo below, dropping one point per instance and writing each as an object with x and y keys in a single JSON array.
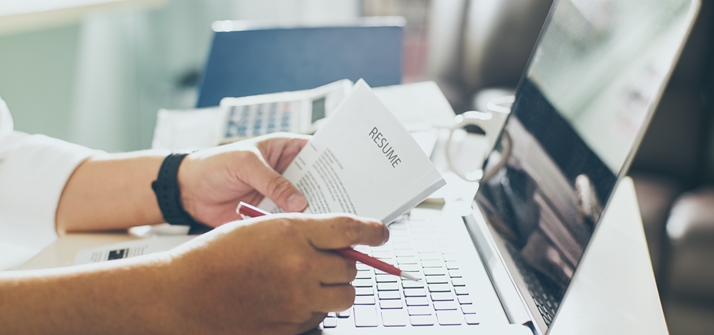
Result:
[{"x": 169, "y": 195}]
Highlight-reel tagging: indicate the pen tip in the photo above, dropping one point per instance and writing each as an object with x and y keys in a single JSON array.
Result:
[{"x": 409, "y": 276}]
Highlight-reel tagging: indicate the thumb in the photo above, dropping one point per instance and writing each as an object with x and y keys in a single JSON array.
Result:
[
  {"x": 274, "y": 186},
  {"x": 343, "y": 230}
]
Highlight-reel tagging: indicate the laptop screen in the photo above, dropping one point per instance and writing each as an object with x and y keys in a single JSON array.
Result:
[{"x": 594, "y": 78}]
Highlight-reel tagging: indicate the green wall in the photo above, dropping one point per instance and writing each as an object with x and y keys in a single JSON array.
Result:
[{"x": 37, "y": 78}]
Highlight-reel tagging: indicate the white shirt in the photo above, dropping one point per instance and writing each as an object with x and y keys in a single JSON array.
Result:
[{"x": 33, "y": 172}]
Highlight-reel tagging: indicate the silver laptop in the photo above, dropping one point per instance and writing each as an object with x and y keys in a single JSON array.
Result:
[{"x": 581, "y": 108}]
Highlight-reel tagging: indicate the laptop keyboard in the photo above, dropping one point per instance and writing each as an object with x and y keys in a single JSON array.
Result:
[
  {"x": 382, "y": 300},
  {"x": 544, "y": 295}
]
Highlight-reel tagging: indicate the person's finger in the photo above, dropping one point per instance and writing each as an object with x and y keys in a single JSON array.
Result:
[
  {"x": 284, "y": 151},
  {"x": 334, "y": 298},
  {"x": 334, "y": 269},
  {"x": 274, "y": 186},
  {"x": 340, "y": 231},
  {"x": 314, "y": 321}
]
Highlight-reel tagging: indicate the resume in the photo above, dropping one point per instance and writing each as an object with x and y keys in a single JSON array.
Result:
[{"x": 362, "y": 161}]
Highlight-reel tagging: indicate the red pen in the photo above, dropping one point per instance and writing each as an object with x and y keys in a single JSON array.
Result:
[{"x": 252, "y": 211}]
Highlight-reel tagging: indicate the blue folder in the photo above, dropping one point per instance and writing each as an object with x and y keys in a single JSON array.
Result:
[{"x": 267, "y": 60}]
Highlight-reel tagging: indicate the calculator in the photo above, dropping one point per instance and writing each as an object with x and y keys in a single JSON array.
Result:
[{"x": 299, "y": 112}]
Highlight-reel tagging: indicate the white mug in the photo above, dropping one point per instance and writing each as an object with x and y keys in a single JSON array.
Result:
[{"x": 491, "y": 123}]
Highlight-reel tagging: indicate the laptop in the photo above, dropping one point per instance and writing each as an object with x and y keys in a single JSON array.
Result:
[{"x": 581, "y": 108}]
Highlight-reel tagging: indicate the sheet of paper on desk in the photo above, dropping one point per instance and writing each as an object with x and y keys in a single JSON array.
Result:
[
  {"x": 362, "y": 161},
  {"x": 129, "y": 249}
]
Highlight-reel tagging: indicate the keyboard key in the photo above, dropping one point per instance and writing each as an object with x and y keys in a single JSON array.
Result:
[
  {"x": 405, "y": 253},
  {"x": 362, "y": 283},
  {"x": 428, "y": 247},
  {"x": 364, "y": 291},
  {"x": 383, "y": 254},
  {"x": 450, "y": 318},
  {"x": 418, "y": 301},
  {"x": 436, "y": 280},
  {"x": 394, "y": 318},
  {"x": 410, "y": 267},
  {"x": 449, "y": 257},
  {"x": 414, "y": 292},
  {"x": 366, "y": 316},
  {"x": 420, "y": 310},
  {"x": 386, "y": 279},
  {"x": 364, "y": 275},
  {"x": 429, "y": 256},
  {"x": 412, "y": 284},
  {"x": 422, "y": 320},
  {"x": 455, "y": 274},
  {"x": 387, "y": 287},
  {"x": 364, "y": 300},
  {"x": 434, "y": 272},
  {"x": 446, "y": 305},
  {"x": 331, "y": 315},
  {"x": 344, "y": 314},
  {"x": 329, "y": 323},
  {"x": 363, "y": 267},
  {"x": 458, "y": 282},
  {"x": 439, "y": 288},
  {"x": 464, "y": 300},
  {"x": 452, "y": 266},
  {"x": 432, "y": 264},
  {"x": 472, "y": 319},
  {"x": 407, "y": 260},
  {"x": 461, "y": 290},
  {"x": 401, "y": 245},
  {"x": 446, "y": 296},
  {"x": 390, "y": 304},
  {"x": 389, "y": 295},
  {"x": 468, "y": 309}
]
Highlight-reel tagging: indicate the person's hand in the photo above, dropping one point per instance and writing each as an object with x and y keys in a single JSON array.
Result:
[
  {"x": 269, "y": 275},
  {"x": 214, "y": 181}
]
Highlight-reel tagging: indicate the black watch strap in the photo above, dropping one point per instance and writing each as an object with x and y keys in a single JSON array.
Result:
[{"x": 168, "y": 194}]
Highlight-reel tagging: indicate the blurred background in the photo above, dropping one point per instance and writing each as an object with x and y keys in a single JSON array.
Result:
[{"x": 95, "y": 72}]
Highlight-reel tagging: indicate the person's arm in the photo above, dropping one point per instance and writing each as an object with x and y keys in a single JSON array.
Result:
[
  {"x": 269, "y": 275},
  {"x": 113, "y": 191}
]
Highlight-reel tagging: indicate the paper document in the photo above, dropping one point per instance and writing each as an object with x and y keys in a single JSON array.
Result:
[
  {"x": 362, "y": 161},
  {"x": 129, "y": 249}
]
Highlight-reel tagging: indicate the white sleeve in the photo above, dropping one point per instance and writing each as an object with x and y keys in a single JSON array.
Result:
[{"x": 33, "y": 172}]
